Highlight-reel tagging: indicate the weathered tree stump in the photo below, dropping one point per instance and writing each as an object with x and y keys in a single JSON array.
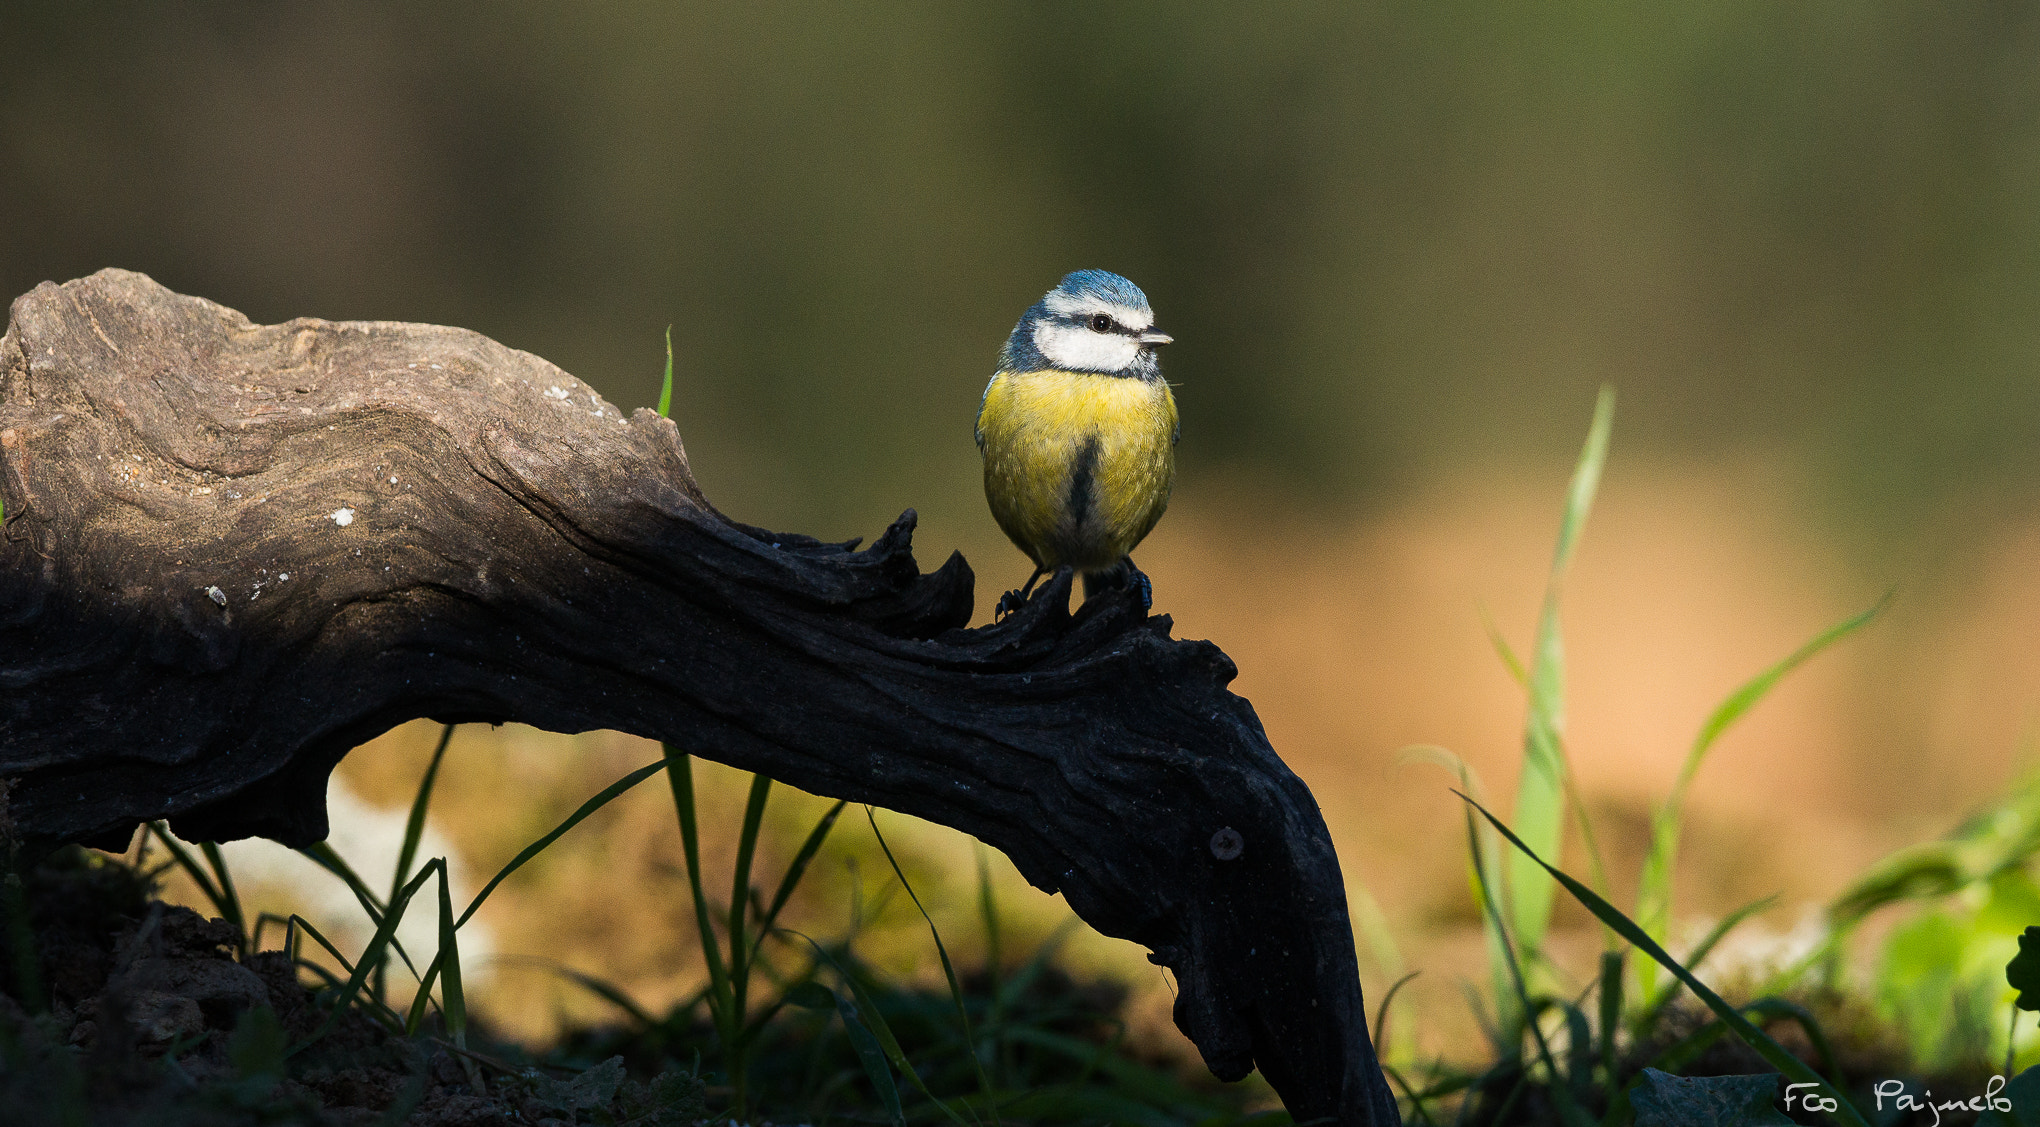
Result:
[{"x": 233, "y": 552}]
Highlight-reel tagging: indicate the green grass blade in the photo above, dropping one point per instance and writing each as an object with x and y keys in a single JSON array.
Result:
[
  {"x": 230, "y": 901},
  {"x": 378, "y": 1009},
  {"x": 948, "y": 970},
  {"x": 666, "y": 388},
  {"x": 1504, "y": 650},
  {"x": 359, "y": 973},
  {"x": 1777, "y": 1008},
  {"x": 795, "y": 869},
  {"x": 326, "y": 857},
  {"x": 1586, "y": 480},
  {"x": 680, "y": 774},
  {"x": 871, "y": 1056},
  {"x": 1611, "y": 1013},
  {"x": 1654, "y": 890},
  {"x": 415, "y": 1020},
  {"x": 1569, "y": 1112},
  {"x": 988, "y": 913},
  {"x": 608, "y": 794},
  {"x": 1540, "y": 791},
  {"x": 191, "y": 867},
  {"x": 1755, "y": 1038},
  {"x": 1484, "y": 876},
  {"x": 607, "y": 991},
  {"x": 1149, "y": 1084},
  {"x": 740, "y": 891},
  {"x": 22, "y": 948},
  {"x": 875, "y": 1021},
  {"x": 737, "y": 1062},
  {"x": 414, "y": 826},
  {"x": 1655, "y": 1007},
  {"x": 452, "y": 1000},
  {"x": 1387, "y": 1000}
]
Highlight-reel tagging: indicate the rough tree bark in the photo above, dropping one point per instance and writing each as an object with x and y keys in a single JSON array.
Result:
[{"x": 233, "y": 552}]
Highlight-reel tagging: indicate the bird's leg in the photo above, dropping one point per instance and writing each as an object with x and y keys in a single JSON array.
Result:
[
  {"x": 1014, "y": 600},
  {"x": 1137, "y": 581},
  {"x": 1122, "y": 574}
]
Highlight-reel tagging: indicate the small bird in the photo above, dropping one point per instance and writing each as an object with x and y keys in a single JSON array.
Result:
[{"x": 1078, "y": 432}]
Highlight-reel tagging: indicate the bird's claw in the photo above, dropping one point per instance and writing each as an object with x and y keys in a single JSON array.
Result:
[
  {"x": 1008, "y": 603},
  {"x": 1137, "y": 582}
]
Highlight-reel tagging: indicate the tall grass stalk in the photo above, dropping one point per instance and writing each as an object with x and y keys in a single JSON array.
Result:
[
  {"x": 948, "y": 969},
  {"x": 414, "y": 827},
  {"x": 666, "y": 388},
  {"x": 747, "y": 921},
  {"x": 1541, "y": 789},
  {"x": 1654, "y": 889}
]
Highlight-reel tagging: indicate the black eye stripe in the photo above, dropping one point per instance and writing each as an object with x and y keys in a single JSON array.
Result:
[{"x": 1104, "y": 323}]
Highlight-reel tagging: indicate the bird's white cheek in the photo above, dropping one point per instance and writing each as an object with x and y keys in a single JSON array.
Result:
[{"x": 1068, "y": 346}]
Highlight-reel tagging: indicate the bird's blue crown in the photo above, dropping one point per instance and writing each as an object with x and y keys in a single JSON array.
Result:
[{"x": 1078, "y": 287}]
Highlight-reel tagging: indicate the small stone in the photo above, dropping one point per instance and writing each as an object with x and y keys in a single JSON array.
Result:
[
  {"x": 157, "y": 1016},
  {"x": 216, "y": 595}
]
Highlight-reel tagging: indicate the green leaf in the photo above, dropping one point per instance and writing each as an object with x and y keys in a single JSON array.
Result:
[
  {"x": 812, "y": 995},
  {"x": 2023, "y": 972},
  {"x": 1664, "y": 1100},
  {"x": 2023, "y": 1094}
]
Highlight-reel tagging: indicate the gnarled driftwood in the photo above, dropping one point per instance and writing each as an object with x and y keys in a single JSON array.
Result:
[{"x": 232, "y": 552}]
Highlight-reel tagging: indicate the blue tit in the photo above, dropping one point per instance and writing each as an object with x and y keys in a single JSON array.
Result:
[{"x": 1078, "y": 432}]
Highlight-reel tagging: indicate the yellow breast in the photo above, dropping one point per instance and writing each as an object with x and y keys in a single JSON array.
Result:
[{"x": 1078, "y": 466}]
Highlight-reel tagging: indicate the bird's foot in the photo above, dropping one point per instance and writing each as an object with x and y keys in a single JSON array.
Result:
[
  {"x": 1137, "y": 582},
  {"x": 1014, "y": 600},
  {"x": 1008, "y": 603}
]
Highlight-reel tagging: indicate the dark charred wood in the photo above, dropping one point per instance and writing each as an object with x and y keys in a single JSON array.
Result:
[{"x": 233, "y": 552}]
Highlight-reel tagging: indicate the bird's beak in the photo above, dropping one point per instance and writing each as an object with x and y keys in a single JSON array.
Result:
[{"x": 1152, "y": 337}]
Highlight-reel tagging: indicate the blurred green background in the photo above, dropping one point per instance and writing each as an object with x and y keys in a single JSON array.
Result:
[
  {"x": 1390, "y": 238},
  {"x": 1399, "y": 246}
]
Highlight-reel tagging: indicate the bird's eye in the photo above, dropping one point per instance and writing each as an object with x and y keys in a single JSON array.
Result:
[{"x": 1100, "y": 323}]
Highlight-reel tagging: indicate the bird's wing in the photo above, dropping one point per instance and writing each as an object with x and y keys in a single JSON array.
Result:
[{"x": 977, "y": 429}]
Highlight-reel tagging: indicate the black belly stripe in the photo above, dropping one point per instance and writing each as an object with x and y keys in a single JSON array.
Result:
[{"x": 1083, "y": 468}]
